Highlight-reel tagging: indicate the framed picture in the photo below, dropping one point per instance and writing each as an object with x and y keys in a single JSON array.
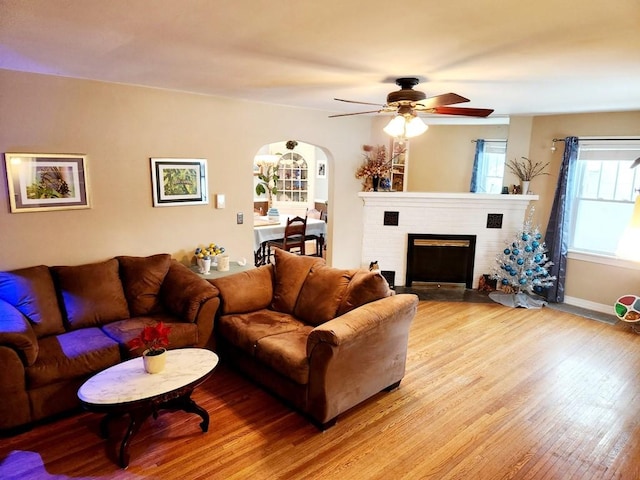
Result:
[
  {"x": 322, "y": 169},
  {"x": 179, "y": 181},
  {"x": 40, "y": 181}
]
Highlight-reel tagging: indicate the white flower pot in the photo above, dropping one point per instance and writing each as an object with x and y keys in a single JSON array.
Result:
[{"x": 154, "y": 363}]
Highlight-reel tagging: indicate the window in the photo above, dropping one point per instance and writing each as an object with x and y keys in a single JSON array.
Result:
[
  {"x": 491, "y": 158},
  {"x": 603, "y": 190}
]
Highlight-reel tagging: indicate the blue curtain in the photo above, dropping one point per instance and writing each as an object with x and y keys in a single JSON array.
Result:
[
  {"x": 557, "y": 236},
  {"x": 477, "y": 161}
]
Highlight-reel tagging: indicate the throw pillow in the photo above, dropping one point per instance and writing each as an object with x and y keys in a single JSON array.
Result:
[
  {"x": 291, "y": 271},
  {"x": 142, "y": 278},
  {"x": 31, "y": 291},
  {"x": 92, "y": 294},
  {"x": 321, "y": 294}
]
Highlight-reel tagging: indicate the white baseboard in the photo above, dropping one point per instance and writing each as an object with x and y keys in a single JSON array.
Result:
[{"x": 596, "y": 307}]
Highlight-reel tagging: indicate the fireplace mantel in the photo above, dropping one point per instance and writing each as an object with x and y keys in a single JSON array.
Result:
[{"x": 437, "y": 213}]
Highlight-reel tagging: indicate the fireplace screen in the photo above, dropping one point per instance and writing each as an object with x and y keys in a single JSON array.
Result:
[{"x": 440, "y": 259}]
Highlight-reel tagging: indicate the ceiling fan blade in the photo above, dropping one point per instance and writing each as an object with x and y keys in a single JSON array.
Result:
[
  {"x": 469, "y": 112},
  {"x": 356, "y": 113},
  {"x": 360, "y": 103},
  {"x": 439, "y": 100}
]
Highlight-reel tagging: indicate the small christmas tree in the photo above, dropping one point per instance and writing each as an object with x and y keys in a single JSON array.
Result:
[{"x": 523, "y": 265}]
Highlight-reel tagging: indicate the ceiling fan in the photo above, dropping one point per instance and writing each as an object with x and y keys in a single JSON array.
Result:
[{"x": 407, "y": 103}]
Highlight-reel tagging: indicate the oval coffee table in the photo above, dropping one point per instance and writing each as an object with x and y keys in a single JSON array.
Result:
[{"x": 126, "y": 389}]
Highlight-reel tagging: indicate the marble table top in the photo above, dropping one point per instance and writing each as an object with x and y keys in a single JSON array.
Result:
[{"x": 128, "y": 381}]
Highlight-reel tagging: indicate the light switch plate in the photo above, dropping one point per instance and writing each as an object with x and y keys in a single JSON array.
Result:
[
  {"x": 220, "y": 200},
  {"x": 240, "y": 218}
]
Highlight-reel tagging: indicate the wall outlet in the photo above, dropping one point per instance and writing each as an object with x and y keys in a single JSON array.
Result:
[{"x": 240, "y": 218}]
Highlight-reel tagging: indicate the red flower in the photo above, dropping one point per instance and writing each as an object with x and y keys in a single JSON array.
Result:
[{"x": 152, "y": 338}]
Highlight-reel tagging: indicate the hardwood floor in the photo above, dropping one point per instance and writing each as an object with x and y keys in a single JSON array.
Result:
[{"x": 490, "y": 393}]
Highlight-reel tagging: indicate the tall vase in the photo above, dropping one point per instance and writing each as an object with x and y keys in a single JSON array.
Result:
[
  {"x": 524, "y": 187},
  {"x": 375, "y": 181}
]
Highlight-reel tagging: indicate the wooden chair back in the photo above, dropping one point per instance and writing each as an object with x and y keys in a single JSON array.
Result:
[{"x": 294, "y": 234}]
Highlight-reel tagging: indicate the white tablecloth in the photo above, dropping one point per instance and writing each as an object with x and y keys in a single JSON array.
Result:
[{"x": 272, "y": 232}]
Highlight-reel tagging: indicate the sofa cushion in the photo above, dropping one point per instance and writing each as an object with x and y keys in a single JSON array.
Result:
[
  {"x": 92, "y": 294},
  {"x": 142, "y": 278},
  {"x": 182, "y": 334},
  {"x": 70, "y": 355},
  {"x": 321, "y": 294},
  {"x": 286, "y": 353},
  {"x": 365, "y": 286},
  {"x": 245, "y": 329},
  {"x": 32, "y": 292},
  {"x": 291, "y": 271}
]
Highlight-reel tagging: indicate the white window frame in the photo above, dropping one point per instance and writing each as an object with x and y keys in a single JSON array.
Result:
[
  {"x": 491, "y": 147},
  {"x": 605, "y": 150}
]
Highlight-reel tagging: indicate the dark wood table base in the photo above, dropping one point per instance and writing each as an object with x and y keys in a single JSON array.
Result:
[{"x": 139, "y": 411}]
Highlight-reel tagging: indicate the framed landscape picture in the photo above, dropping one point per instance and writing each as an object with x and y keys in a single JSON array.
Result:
[
  {"x": 41, "y": 181},
  {"x": 179, "y": 181}
]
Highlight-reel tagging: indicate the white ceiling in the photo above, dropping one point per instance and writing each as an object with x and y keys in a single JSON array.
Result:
[{"x": 543, "y": 57}]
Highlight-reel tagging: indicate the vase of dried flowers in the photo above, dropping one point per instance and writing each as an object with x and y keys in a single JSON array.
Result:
[
  {"x": 374, "y": 167},
  {"x": 526, "y": 171}
]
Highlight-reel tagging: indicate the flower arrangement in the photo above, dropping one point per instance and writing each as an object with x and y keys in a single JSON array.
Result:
[
  {"x": 527, "y": 170},
  {"x": 375, "y": 163},
  {"x": 205, "y": 253},
  {"x": 154, "y": 338}
]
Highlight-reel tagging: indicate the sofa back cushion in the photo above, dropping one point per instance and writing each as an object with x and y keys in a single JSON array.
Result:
[
  {"x": 321, "y": 294},
  {"x": 291, "y": 271},
  {"x": 32, "y": 293},
  {"x": 365, "y": 286},
  {"x": 91, "y": 294},
  {"x": 142, "y": 278}
]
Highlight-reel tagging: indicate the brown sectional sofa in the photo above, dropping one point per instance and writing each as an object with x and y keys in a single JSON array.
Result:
[
  {"x": 321, "y": 338},
  {"x": 60, "y": 325}
]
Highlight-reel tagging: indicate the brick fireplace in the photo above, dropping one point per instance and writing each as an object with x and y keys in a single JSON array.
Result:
[{"x": 390, "y": 217}]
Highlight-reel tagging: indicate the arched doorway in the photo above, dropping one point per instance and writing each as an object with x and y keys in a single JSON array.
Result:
[{"x": 294, "y": 179}]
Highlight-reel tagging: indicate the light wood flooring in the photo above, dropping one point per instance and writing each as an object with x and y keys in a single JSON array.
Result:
[{"x": 489, "y": 393}]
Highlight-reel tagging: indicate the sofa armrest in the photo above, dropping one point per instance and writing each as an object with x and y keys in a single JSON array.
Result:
[
  {"x": 358, "y": 354},
  {"x": 353, "y": 325},
  {"x": 17, "y": 333},
  {"x": 246, "y": 291},
  {"x": 183, "y": 292}
]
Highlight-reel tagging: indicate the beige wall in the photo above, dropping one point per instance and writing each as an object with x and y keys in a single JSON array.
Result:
[{"x": 120, "y": 127}]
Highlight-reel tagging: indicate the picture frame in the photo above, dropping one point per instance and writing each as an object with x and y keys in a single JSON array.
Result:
[
  {"x": 40, "y": 182},
  {"x": 321, "y": 169},
  {"x": 179, "y": 181}
]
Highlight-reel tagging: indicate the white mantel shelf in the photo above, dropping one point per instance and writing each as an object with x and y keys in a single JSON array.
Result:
[
  {"x": 445, "y": 196},
  {"x": 438, "y": 213}
]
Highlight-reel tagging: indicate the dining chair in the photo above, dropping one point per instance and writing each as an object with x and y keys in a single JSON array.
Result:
[
  {"x": 317, "y": 239},
  {"x": 294, "y": 237}
]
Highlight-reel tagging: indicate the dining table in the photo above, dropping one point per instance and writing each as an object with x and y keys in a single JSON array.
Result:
[{"x": 265, "y": 229}]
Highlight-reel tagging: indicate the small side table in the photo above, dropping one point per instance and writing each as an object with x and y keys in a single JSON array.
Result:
[{"x": 213, "y": 273}]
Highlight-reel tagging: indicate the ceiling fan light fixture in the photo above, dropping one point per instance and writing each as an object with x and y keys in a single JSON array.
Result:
[{"x": 405, "y": 126}]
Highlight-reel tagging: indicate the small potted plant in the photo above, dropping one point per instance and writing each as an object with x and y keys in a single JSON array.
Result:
[
  {"x": 155, "y": 340},
  {"x": 526, "y": 171}
]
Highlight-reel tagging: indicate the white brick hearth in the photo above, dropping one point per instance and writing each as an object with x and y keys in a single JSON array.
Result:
[{"x": 438, "y": 213}]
